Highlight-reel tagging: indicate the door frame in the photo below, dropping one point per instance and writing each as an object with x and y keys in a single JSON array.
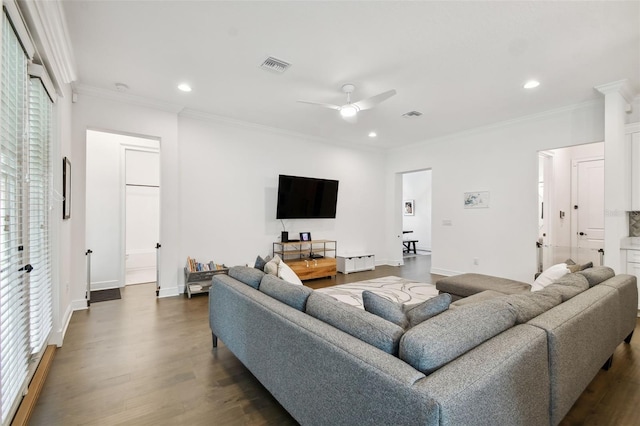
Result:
[{"x": 124, "y": 147}]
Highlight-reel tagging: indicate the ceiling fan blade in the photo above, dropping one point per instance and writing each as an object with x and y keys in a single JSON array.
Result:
[
  {"x": 330, "y": 106},
  {"x": 374, "y": 100}
]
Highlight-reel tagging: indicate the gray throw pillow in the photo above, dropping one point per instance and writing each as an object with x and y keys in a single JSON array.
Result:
[
  {"x": 384, "y": 308},
  {"x": 354, "y": 321},
  {"x": 403, "y": 315},
  {"x": 259, "y": 263},
  {"x": 427, "y": 309}
]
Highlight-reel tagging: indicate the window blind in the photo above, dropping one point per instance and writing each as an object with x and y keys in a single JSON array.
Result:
[
  {"x": 14, "y": 311},
  {"x": 39, "y": 181}
]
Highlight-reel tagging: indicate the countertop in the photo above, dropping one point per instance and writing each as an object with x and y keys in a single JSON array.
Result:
[{"x": 630, "y": 243}]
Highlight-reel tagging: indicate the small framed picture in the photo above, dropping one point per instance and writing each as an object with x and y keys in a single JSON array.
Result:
[
  {"x": 66, "y": 188},
  {"x": 476, "y": 200},
  {"x": 408, "y": 208},
  {"x": 305, "y": 236}
]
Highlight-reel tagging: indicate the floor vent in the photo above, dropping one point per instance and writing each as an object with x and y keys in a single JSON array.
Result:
[{"x": 274, "y": 64}]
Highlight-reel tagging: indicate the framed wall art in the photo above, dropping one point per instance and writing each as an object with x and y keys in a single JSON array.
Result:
[
  {"x": 408, "y": 207},
  {"x": 476, "y": 200}
]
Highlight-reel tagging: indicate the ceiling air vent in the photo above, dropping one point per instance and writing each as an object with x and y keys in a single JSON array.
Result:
[
  {"x": 412, "y": 114},
  {"x": 274, "y": 64}
]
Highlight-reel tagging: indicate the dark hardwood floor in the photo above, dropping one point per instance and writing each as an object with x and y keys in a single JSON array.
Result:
[{"x": 147, "y": 361}]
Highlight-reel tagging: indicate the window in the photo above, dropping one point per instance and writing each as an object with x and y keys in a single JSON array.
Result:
[{"x": 25, "y": 270}]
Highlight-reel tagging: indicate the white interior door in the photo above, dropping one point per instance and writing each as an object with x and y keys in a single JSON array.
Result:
[
  {"x": 590, "y": 210},
  {"x": 142, "y": 215}
]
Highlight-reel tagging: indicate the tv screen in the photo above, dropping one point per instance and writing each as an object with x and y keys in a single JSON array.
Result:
[{"x": 306, "y": 198}]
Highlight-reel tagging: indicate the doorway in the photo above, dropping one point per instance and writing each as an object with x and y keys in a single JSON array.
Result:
[
  {"x": 416, "y": 213},
  {"x": 123, "y": 208},
  {"x": 571, "y": 202}
]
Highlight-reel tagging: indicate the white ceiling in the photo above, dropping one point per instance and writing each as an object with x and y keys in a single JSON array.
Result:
[{"x": 462, "y": 64}]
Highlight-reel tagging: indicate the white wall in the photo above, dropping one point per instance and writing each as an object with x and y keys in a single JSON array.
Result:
[
  {"x": 501, "y": 159},
  {"x": 417, "y": 186},
  {"x": 228, "y": 187}
]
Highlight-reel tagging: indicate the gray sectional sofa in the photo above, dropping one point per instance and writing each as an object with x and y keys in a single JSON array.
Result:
[{"x": 503, "y": 359}]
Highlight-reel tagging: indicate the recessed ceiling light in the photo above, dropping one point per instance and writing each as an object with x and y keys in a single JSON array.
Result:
[
  {"x": 372, "y": 134},
  {"x": 531, "y": 84},
  {"x": 184, "y": 87}
]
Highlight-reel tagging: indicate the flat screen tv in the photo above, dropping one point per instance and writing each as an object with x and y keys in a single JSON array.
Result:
[{"x": 306, "y": 198}]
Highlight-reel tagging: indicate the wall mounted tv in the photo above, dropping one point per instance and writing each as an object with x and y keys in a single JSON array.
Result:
[{"x": 306, "y": 198}]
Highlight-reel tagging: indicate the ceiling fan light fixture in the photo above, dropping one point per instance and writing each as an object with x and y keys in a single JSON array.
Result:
[{"x": 348, "y": 110}]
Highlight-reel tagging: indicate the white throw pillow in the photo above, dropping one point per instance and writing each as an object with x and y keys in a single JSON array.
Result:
[
  {"x": 272, "y": 266},
  {"x": 286, "y": 273},
  {"x": 550, "y": 275}
]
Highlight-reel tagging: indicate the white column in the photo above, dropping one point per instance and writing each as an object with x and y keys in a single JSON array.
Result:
[{"x": 617, "y": 171}]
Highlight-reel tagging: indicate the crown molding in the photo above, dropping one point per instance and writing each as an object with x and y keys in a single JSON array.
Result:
[
  {"x": 620, "y": 86},
  {"x": 48, "y": 27},
  {"x": 127, "y": 98},
  {"x": 502, "y": 124}
]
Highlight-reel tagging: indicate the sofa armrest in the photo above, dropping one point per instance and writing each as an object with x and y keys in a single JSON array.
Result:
[
  {"x": 503, "y": 381},
  {"x": 582, "y": 334}
]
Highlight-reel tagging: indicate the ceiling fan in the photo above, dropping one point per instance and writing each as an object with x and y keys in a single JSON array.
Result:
[{"x": 350, "y": 110}]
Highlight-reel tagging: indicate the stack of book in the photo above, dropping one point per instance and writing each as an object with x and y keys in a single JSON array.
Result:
[{"x": 195, "y": 266}]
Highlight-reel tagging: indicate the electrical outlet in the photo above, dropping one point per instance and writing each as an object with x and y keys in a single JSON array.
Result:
[{"x": 476, "y": 261}]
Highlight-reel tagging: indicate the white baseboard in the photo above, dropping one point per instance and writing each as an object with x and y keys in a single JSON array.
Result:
[
  {"x": 445, "y": 272},
  {"x": 57, "y": 336},
  {"x": 79, "y": 305},
  {"x": 104, "y": 285},
  {"x": 169, "y": 292},
  {"x": 388, "y": 262}
]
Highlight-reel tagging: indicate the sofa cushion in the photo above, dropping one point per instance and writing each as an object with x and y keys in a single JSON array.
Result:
[
  {"x": 402, "y": 315},
  {"x": 597, "y": 274},
  {"x": 247, "y": 275},
  {"x": 568, "y": 286},
  {"x": 443, "y": 338},
  {"x": 363, "y": 325},
  {"x": 293, "y": 295},
  {"x": 476, "y": 298},
  {"x": 529, "y": 306},
  {"x": 549, "y": 276}
]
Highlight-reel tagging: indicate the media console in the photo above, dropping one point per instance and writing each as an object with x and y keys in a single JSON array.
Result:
[{"x": 309, "y": 259}]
